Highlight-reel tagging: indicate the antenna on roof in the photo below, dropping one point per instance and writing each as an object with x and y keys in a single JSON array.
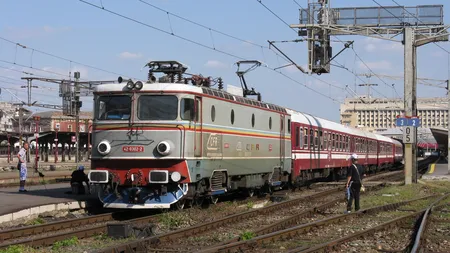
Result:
[{"x": 241, "y": 74}]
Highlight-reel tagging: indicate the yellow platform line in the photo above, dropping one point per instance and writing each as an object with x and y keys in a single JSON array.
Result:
[{"x": 432, "y": 168}]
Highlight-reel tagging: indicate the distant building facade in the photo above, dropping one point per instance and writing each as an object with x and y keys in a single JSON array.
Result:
[
  {"x": 55, "y": 121},
  {"x": 7, "y": 113},
  {"x": 375, "y": 114}
]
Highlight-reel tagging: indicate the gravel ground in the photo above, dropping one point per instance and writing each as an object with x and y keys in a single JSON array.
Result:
[{"x": 43, "y": 218}]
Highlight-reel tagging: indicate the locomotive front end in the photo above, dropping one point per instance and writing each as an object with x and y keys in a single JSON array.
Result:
[{"x": 138, "y": 156}]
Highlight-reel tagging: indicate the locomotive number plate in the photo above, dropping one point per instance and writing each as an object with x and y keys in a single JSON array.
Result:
[{"x": 133, "y": 148}]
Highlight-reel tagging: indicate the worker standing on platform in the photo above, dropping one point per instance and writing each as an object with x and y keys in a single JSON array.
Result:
[
  {"x": 354, "y": 183},
  {"x": 22, "y": 166}
]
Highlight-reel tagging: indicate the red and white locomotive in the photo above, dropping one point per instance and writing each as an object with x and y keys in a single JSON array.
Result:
[{"x": 164, "y": 142}]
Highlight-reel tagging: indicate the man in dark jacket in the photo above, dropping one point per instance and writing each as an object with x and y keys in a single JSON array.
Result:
[
  {"x": 76, "y": 182},
  {"x": 355, "y": 174}
]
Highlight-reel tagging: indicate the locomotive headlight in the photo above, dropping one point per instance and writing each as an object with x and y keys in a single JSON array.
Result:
[
  {"x": 104, "y": 147},
  {"x": 163, "y": 148},
  {"x": 130, "y": 85},
  {"x": 138, "y": 85},
  {"x": 175, "y": 176}
]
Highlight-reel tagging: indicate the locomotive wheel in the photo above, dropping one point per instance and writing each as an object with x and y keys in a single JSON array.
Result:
[
  {"x": 214, "y": 199},
  {"x": 250, "y": 193},
  {"x": 179, "y": 205},
  {"x": 198, "y": 200}
]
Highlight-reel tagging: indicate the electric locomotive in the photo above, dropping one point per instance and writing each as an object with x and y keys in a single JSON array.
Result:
[{"x": 164, "y": 143}]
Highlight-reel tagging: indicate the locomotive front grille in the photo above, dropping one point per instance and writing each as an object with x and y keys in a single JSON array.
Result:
[
  {"x": 98, "y": 176},
  {"x": 217, "y": 180},
  {"x": 159, "y": 176}
]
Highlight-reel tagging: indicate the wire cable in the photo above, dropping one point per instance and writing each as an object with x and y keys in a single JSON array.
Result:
[
  {"x": 59, "y": 57},
  {"x": 192, "y": 41}
]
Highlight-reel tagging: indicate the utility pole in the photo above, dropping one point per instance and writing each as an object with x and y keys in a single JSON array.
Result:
[
  {"x": 410, "y": 102},
  {"x": 20, "y": 124},
  {"x": 77, "y": 116},
  {"x": 368, "y": 87},
  {"x": 419, "y": 25},
  {"x": 448, "y": 124}
]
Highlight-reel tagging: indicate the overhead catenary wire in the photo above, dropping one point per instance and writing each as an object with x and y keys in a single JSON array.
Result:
[
  {"x": 59, "y": 57},
  {"x": 228, "y": 35},
  {"x": 194, "y": 42}
]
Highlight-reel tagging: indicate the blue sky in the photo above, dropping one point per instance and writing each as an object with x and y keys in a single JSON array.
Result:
[{"x": 81, "y": 33}]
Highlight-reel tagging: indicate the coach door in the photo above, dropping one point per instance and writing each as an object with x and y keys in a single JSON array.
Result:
[
  {"x": 198, "y": 129},
  {"x": 282, "y": 140}
]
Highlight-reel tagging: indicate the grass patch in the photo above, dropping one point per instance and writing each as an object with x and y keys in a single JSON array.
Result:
[
  {"x": 18, "y": 249},
  {"x": 172, "y": 220},
  {"x": 37, "y": 221},
  {"x": 247, "y": 235},
  {"x": 402, "y": 193},
  {"x": 65, "y": 243},
  {"x": 250, "y": 205}
]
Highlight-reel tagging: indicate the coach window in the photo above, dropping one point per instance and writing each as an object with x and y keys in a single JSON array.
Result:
[
  {"x": 321, "y": 140},
  {"x": 316, "y": 139},
  {"x": 270, "y": 122},
  {"x": 213, "y": 113},
  {"x": 341, "y": 142},
  {"x": 305, "y": 138},
  {"x": 301, "y": 137},
  {"x": 333, "y": 145},
  {"x": 329, "y": 141},
  {"x": 158, "y": 107},
  {"x": 297, "y": 137},
  {"x": 232, "y": 116},
  {"x": 325, "y": 140},
  {"x": 253, "y": 120},
  {"x": 311, "y": 139}
]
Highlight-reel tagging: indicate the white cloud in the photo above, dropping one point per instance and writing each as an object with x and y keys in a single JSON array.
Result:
[
  {"x": 375, "y": 65},
  {"x": 215, "y": 64},
  {"x": 377, "y": 45},
  {"x": 128, "y": 55}
]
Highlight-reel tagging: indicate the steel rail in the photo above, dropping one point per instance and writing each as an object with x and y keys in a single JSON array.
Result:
[
  {"x": 423, "y": 225},
  {"x": 79, "y": 233},
  {"x": 138, "y": 245},
  {"x": 293, "y": 231},
  {"x": 53, "y": 226}
]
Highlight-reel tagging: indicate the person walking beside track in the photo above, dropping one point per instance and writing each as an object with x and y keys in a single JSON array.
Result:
[
  {"x": 354, "y": 183},
  {"x": 22, "y": 166}
]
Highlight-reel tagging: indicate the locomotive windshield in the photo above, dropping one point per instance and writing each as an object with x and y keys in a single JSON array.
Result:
[
  {"x": 113, "y": 107},
  {"x": 157, "y": 107}
]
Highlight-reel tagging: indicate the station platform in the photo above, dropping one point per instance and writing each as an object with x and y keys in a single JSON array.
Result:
[
  {"x": 438, "y": 171},
  {"x": 38, "y": 195}
]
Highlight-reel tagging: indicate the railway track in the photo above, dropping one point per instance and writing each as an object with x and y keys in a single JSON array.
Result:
[
  {"x": 267, "y": 219},
  {"x": 433, "y": 234},
  {"x": 158, "y": 241},
  {"x": 49, "y": 233}
]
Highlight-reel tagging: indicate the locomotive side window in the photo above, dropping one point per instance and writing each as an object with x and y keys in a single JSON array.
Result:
[
  {"x": 232, "y": 116},
  {"x": 270, "y": 122},
  {"x": 213, "y": 113},
  {"x": 187, "y": 109},
  {"x": 305, "y": 138},
  {"x": 113, "y": 107},
  {"x": 253, "y": 120},
  {"x": 157, "y": 107},
  {"x": 289, "y": 125}
]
